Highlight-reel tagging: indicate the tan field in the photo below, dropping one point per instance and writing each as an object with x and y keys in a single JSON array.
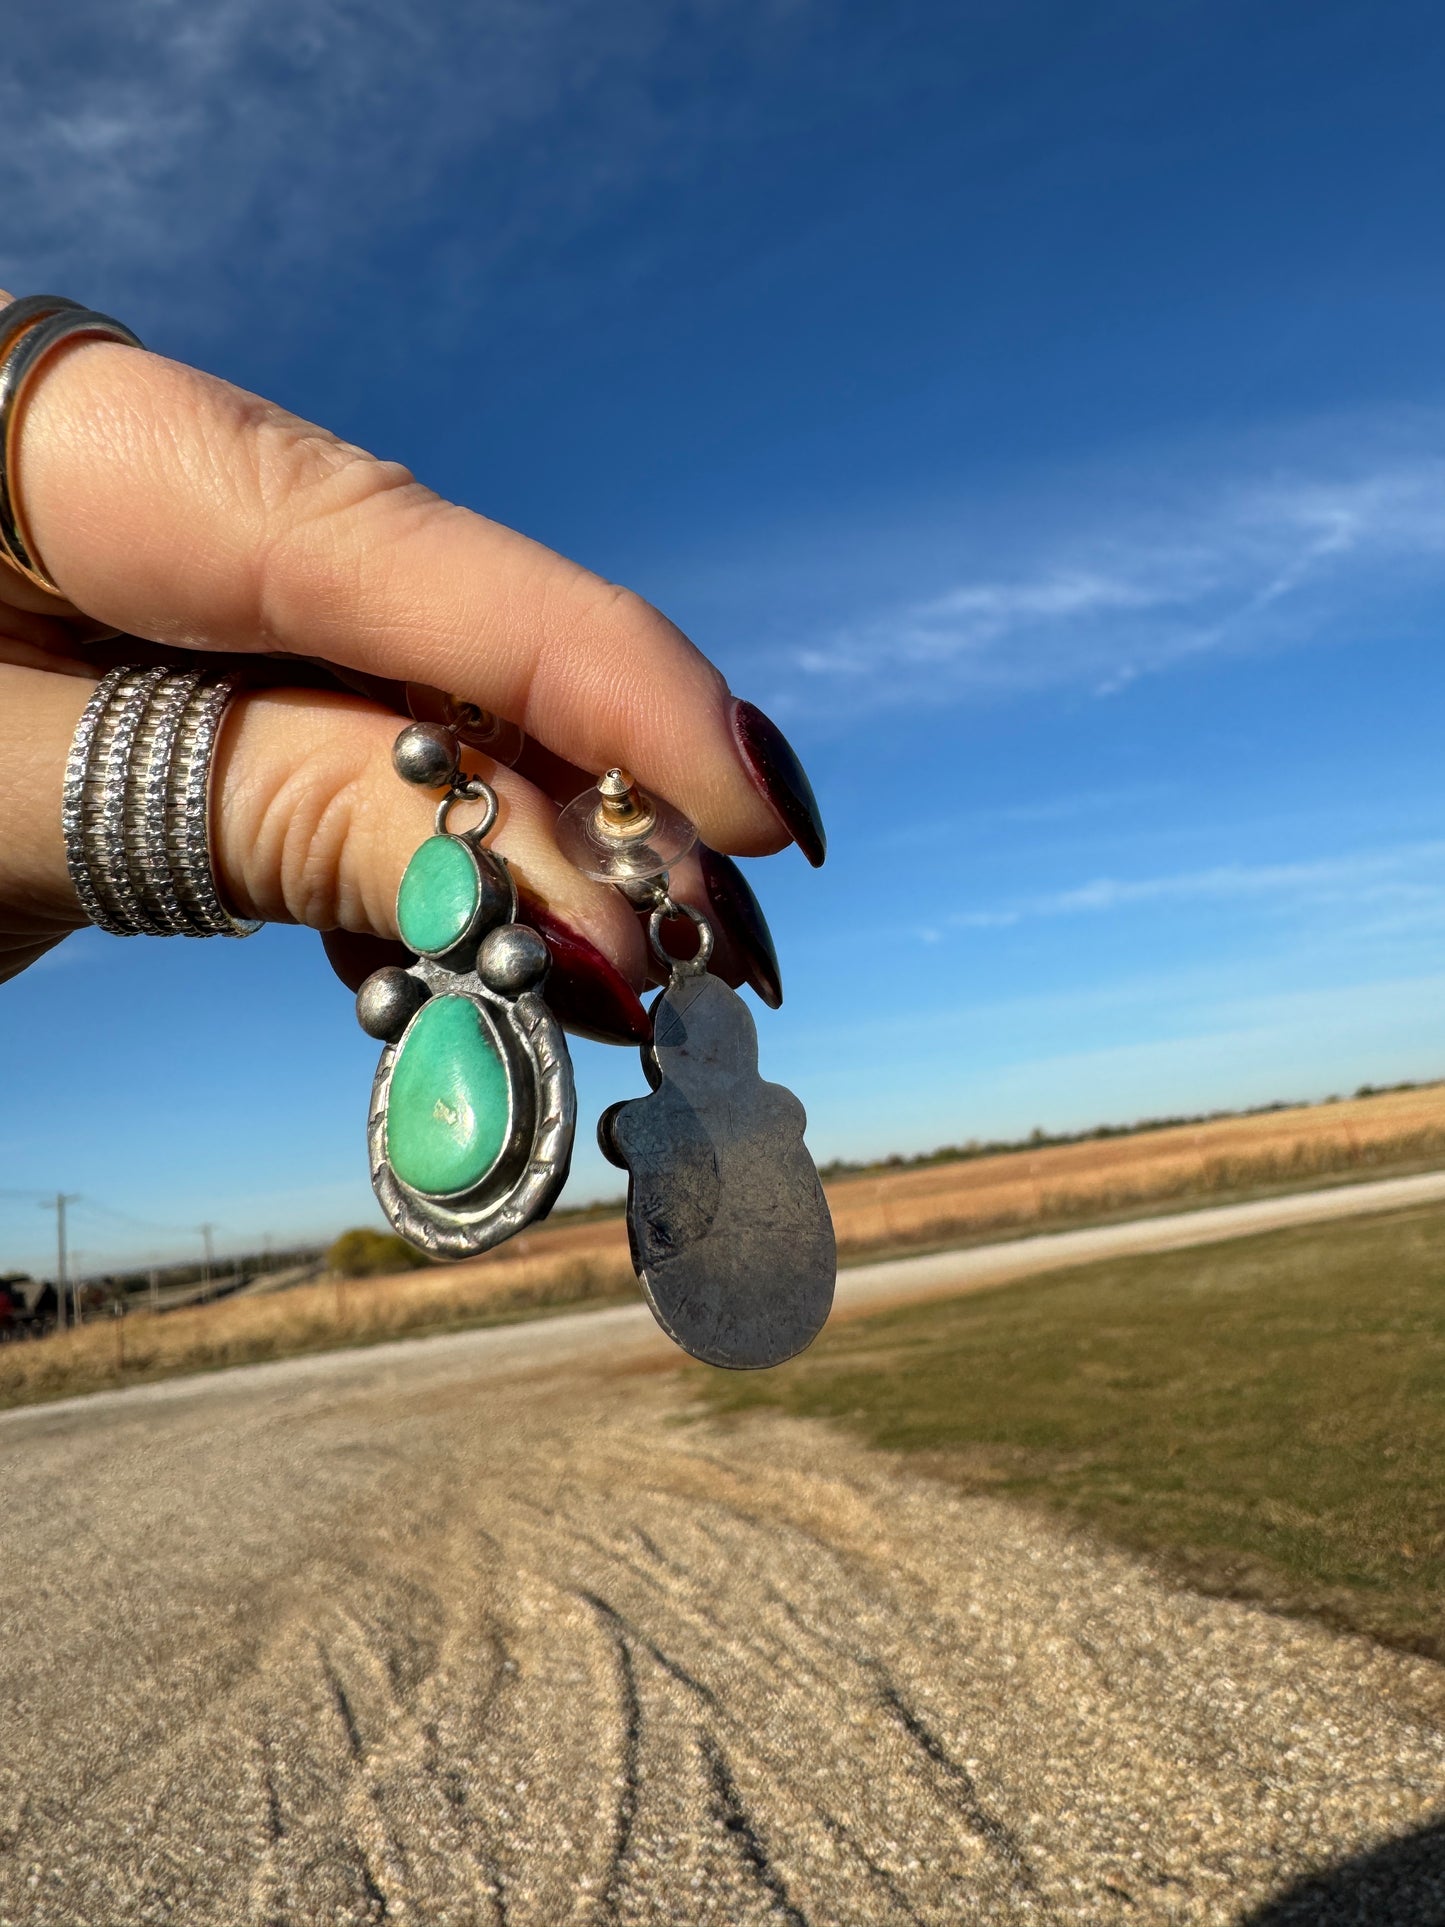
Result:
[
  {"x": 942, "y": 1203},
  {"x": 884, "y": 1212}
]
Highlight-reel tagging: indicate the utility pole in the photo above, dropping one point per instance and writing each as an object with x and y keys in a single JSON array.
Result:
[
  {"x": 205, "y": 1231},
  {"x": 155, "y": 1289},
  {"x": 57, "y": 1204}
]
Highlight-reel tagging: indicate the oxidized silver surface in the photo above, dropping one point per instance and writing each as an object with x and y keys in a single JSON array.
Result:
[
  {"x": 426, "y": 754},
  {"x": 730, "y": 1231},
  {"x": 523, "y": 1184},
  {"x": 387, "y": 1002},
  {"x": 195, "y": 749},
  {"x": 136, "y": 805}
]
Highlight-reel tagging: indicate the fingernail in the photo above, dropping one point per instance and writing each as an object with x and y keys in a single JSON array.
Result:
[
  {"x": 353, "y": 955},
  {"x": 741, "y": 917},
  {"x": 588, "y": 993},
  {"x": 774, "y": 766}
]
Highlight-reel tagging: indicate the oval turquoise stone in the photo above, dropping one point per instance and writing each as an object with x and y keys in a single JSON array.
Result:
[
  {"x": 438, "y": 896},
  {"x": 448, "y": 1106}
]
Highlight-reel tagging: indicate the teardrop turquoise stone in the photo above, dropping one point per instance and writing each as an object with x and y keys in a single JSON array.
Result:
[
  {"x": 438, "y": 895},
  {"x": 448, "y": 1106}
]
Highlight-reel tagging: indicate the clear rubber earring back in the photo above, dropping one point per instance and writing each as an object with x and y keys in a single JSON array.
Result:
[{"x": 617, "y": 833}]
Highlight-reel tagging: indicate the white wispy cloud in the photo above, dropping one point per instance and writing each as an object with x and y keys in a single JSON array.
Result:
[
  {"x": 1410, "y": 876},
  {"x": 1247, "y": 563},
  {"x": 174, "y": 144}
]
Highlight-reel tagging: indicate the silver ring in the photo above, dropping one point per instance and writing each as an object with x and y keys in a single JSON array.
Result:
[
  {"x": 30, "y": 330},
  {"x": 107, "y": 844},
  {"x": 136, "y": 810}
]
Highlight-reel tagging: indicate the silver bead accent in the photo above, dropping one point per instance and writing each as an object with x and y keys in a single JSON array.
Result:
[
  {"x": 387, "y": 1002},
  {"x": 513, "y": 959},
  {"x": 426, "y": 754}
]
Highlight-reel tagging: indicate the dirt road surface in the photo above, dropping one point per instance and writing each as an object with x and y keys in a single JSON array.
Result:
[{"x": 495, "y": 1629}]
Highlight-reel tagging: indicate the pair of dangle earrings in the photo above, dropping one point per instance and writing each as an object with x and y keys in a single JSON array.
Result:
[{"x": 474, "y": 1110}]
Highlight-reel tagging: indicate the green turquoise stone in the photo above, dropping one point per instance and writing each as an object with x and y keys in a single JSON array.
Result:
[
  {"x": 438, "y": 896},
  {"x": 447, "y": 1109}
]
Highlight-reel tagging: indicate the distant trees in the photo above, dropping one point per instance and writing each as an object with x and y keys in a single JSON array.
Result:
[{"x": 372, "y": 1254}]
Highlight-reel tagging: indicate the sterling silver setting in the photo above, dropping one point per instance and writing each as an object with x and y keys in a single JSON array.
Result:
[
  {"x": 499, "y": 966},
  {"x": 528, "y": 1175}
]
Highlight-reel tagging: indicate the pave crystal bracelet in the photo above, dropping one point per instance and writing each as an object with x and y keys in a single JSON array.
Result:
[{"x": 137, "y": 804}]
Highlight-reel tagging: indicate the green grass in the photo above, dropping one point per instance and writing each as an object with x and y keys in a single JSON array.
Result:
[{"x": 1266, "y": 1416}]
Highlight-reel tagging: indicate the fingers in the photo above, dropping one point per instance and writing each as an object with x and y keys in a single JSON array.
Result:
[
  {"x": 314, "y": 826},
  {"x": 173, "y": 506},
  {"x": 310, "y": 825}
]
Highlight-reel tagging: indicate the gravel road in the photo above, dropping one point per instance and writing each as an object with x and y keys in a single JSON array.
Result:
[{"x": 495, "y": 1629}]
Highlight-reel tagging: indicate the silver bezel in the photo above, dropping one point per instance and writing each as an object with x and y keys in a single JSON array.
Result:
[
  {"x": 524, "y": 1182},
  {"x": 462, "y": 951}
]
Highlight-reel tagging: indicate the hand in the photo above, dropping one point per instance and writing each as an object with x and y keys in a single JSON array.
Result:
[{"x": 172, "y": 507}]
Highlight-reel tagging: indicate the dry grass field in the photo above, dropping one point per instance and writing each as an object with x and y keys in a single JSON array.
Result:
[
  {"x": 877, "y": 1213},
  {"x": 942, "y": 1204},
  {"x": 244, "y": 1330}
]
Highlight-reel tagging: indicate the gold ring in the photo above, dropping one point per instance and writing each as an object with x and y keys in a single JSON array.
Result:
[{"x": 30, "y": 329}]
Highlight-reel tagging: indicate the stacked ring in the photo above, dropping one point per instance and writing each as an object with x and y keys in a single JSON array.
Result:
[
  {"x": 137, "y": 804},
  {"x": 30, "y": 330}
]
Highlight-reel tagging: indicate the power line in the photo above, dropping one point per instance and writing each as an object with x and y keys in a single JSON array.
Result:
[{"x": 126, "y": 1217}]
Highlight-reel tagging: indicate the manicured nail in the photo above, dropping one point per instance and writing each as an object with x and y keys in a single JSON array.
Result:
[
  {"x": 774, "y": 766},
  {"x": 353, "y": 955},
  {"x": 741, "y": 918},
  {"x": 589, "y": 994}
]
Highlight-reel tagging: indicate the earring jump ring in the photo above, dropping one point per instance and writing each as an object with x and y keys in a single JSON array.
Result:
[
  {"x": 471, "y": 790},
  {"x": 697, "y": 963},
  {"x": 30, "y": 331}
]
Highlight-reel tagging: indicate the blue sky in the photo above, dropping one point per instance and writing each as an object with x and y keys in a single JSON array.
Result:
[{"x": 1037, "y": 408}]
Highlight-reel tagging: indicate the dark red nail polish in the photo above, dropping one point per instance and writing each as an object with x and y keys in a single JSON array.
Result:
[
  {"x": 588, "y": 993},
  {"x": 353, "y": 955},
  {"x": 741, "y": 918},
  {"x": 775, "y": 769}
]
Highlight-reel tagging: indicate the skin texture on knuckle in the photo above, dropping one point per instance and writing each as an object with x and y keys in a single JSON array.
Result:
[
  {"x": 184, "y": 508},
  {"x": 324, "y": 516},
  {"x": 300, "y": 836},
  {"x": 296, "y": 832}
]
